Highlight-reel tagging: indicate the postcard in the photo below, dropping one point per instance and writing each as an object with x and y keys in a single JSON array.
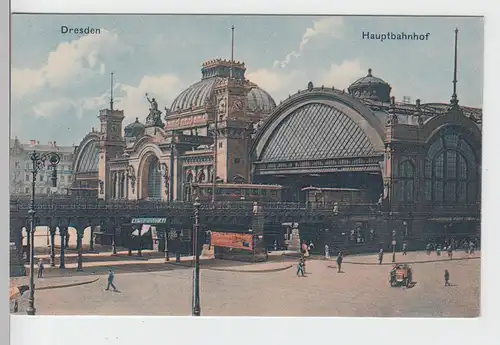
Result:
[{"x": 216, "y": 165}]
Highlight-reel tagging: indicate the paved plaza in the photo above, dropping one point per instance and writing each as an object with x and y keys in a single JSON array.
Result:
[{"x": 271, "y": 289}]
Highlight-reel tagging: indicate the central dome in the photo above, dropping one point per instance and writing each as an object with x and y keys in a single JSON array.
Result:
[
  {"x": 370, "y": 87},
  {"x": 198, "y": 94}
]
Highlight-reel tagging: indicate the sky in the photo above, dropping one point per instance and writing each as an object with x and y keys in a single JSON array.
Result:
[{"x": 60, "y": 81}]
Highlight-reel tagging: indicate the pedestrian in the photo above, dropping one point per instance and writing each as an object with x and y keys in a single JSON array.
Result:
[
  {"x": 40, "y": 268},
  {"x": 327, "y": 252},
  {"x": 471, "y": 248},
  {"x": 300, "y": 268},
  {"x": 339, "y": 262},
  {"x": 428, "y": 248},
  {"x": 446, "y": 278},
  {"x": 380, "y": 256},
  {"x": 111, "y": 278},
  {"x": 450, "y": 251},
  {"x": 438, "y": 250},
  {"x": 405, "y": 248}
]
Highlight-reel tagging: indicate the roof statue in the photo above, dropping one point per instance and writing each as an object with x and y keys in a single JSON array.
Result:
[{"x": 154, "y": 117}]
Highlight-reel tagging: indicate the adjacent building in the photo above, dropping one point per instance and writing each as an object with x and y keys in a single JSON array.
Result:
[{"x": 21, "y": 168}]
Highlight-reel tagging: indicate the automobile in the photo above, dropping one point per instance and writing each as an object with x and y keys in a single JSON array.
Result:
[{"x": 401, "y": 275}]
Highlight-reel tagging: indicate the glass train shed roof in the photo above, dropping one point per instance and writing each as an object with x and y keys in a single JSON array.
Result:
[
  {"x": 317, "y": 131},
  {"x": 89, "y": 160}
]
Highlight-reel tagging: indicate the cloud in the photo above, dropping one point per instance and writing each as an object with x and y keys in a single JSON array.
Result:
[
  {"x": 277, "y": 82},
  {"x": 78, "y": 60},
  {"x": 331, "y": 26},
  {"x": 133, "y": 99},
  {"x": 281, "y": 83},
  {"x": 342, "y": 75}
]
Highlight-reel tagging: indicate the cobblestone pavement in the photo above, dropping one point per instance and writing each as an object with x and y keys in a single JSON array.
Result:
[{"x": 362, "y": 290}]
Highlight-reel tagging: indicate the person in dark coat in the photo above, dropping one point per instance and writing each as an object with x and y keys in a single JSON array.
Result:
[
  {"x": 446, "y": 278},
  {"x": 405, "y": 248},
  {"x": 339, "y": 262},
  {"x": 40, "y": 268},
  {"x": 380, "y": 256},
  {"x": 300, "y": 268},
  {"x": 111, "y": 278}
]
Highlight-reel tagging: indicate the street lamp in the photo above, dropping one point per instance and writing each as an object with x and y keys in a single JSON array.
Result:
[
  {"x": 394, "y": 245},
  {"x": 196, "y": 283},
  {"x": 38, "y": 163},
  {"x": 405, "y": 224}
]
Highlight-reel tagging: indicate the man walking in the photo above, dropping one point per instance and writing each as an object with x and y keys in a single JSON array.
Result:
[
  {"x": 339, "y": 262},
  {"x": 111, "y": 278},
  {"x": 405, "y": 248},
  {"x": 380, "y": 256},
  {"x": 300, "y": 268},
  {"x": 446, "y": 278}
]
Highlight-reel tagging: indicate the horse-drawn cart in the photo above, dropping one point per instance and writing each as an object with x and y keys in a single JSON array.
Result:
[{"x": 401, "y": 275}]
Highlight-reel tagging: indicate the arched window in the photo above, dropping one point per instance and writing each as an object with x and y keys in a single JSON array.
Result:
[
  {"x": 154, "y": 179},
  {"x": 450, "y": 169},
  {"x": 406, "y": 181}
]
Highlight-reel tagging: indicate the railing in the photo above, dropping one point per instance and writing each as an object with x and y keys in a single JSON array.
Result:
[{"x": 237, "y": 206}]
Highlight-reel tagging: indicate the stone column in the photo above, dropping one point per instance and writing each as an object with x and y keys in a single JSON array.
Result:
[
  {"x": 63, "y": 233},
  {"x": 79, "y": 236},
  {"x": 139, "y": 252},
  {"x": 91, "y": 243},
  {"x": 52, "y": 231}
]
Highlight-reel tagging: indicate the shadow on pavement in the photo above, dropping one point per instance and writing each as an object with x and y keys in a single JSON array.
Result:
[{"x": 54, "y": 272}]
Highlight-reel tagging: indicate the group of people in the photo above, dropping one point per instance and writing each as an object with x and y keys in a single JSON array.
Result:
[
  {"x": 468, "y": 246},
  {"x": 301, "y": 266}
]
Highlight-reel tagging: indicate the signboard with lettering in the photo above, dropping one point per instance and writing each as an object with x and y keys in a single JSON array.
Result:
[
  {"x": 187, "y": 121},
  {"x": 232, "y": 240},
  {"x": 149, "y": 221}
]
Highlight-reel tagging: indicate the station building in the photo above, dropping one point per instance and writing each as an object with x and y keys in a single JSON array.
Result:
[{"x": 421, "y": 161}]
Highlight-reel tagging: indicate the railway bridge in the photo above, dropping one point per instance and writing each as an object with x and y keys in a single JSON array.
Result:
[{"x": 278, "y": 222}]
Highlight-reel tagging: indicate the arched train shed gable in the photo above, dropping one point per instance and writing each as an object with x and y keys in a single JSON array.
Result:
[
  {"x": 87, "y": 155},
  {"x": 319, "y": 124},
  {"x": 469, "y": 128}
]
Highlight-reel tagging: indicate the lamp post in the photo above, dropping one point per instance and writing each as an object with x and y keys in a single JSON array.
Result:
[
  {"x": 38, "y": 162},
  {"x": 196, "y": 283},
  {"x": 394, "y": 245},
  {"x": 405, "y": 224}
]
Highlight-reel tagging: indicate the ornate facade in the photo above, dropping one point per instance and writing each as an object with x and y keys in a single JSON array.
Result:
[
  {"x": 422, "y": 160},
  {"x": 159, "y": 160}
]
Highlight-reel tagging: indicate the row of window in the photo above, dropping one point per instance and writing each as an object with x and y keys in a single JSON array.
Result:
[
  {"x": 29, "y": 166},
  {"x": 41, "y": 178},
  {"x": 40, "y": 190}
]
